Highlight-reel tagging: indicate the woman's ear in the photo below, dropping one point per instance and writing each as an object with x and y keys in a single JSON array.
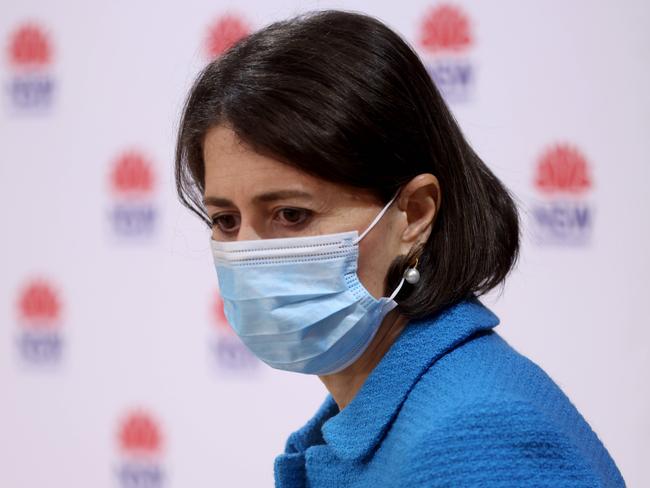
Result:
[{"x": 420, "y": 199}]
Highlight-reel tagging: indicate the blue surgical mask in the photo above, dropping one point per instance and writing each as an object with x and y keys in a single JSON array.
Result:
[{"x": 297, "y": 303}]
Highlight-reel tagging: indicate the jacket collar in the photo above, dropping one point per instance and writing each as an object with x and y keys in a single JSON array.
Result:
[{"x": 356, "y": 431}]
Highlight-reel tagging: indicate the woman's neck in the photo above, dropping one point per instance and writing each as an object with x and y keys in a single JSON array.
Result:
[{"x": 345, "y": 384}]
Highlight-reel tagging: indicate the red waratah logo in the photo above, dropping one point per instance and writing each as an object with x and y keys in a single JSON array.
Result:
[
  {"x": 29, "y": 47},
  {"x": 562, "y": 169},
  {"x": 220, "y": 321},
  {"x": 229, "y": 353},
  {"x": 223, "y": 33},
  {"x": 445, "y": 28},
  {"x": 139, "y": 435},
  {"x": 39, "y": 305},
  {"x": 132, "y": 175}
]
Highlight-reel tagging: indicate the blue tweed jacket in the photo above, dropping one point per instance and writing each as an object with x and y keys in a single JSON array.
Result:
[{"x": 450, "y": 404}]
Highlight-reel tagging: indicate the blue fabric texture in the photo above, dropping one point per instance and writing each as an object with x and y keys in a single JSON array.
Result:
[{"x": 451, "y": 404}]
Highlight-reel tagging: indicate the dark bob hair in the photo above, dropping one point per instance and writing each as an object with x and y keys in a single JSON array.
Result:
[{"x": 341, "y": 96}]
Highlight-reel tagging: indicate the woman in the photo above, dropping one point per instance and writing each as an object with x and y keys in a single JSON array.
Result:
[{"x": 353, "y": 228}]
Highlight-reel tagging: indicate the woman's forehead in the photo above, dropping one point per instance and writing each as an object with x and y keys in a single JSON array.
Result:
[
  {"x": 233, "y": 170},
  {"x": 231, "y": 165}
]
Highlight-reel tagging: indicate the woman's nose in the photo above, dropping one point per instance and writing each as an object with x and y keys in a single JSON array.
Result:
[{"x": 247, "y": 232}]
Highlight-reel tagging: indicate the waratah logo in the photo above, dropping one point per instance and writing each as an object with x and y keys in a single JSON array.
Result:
[
  {"x": 39, "y": 318},
  {"x": 228, "y": 351},
  {"x": 445, "y": 39},
  {"x": 562, "y": 214},
  {"x": 132, "y": 183},
  {"x": 140, "y": 446},
  {"x": 223, "y": 33},
  {"x": 30, "y": 56}
]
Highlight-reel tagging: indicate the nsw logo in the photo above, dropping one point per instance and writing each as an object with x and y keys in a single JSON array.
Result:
[
  {"x": 562, "y": 213},
  {"x": 223, "y": 33},
  {"x": 445, "y": 39},
  {"x": 227, "y": 350},
  {"x": 132, "y": 183},
  {"x": 39, "y": 338},
  {"x": 30, "y": 54},
  {"x": 140, "y": 446}
]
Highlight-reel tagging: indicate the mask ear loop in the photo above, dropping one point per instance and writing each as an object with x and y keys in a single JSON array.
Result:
[
  {"x": 379, "y": 216},
  {"x": 411, "y": 275}
]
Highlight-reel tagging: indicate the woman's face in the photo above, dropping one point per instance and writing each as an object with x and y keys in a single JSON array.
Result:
[{"x": 250, "y": 196}]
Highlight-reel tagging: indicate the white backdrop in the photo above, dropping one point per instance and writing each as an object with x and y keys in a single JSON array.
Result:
[{"x": 116, "y": 367}]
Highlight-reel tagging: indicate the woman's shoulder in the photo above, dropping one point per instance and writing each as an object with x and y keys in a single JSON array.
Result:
[
  {"x": 486, "y": 410},
  {"x": 485, "y": 368}
]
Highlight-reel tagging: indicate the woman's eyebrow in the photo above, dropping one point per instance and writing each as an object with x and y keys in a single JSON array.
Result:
[
  {"x": 281, "y": 195},
  {"x": 218, "y": 202},
  {"x": 261, "y": 198}
]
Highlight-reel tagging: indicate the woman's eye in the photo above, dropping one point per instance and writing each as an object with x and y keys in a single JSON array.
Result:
[
  {"x": 293, "y": 216},
  {"x": 226, "y": 222}
]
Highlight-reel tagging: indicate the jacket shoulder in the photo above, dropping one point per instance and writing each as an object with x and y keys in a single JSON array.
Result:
[
  {"x": 498, "y": 444},
  {"x": 485, "y": 414},
  {"x": 486, "y": 369}
]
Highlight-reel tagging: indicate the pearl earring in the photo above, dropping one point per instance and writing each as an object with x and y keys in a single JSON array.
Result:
[{"x": 411, "y": 274}]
